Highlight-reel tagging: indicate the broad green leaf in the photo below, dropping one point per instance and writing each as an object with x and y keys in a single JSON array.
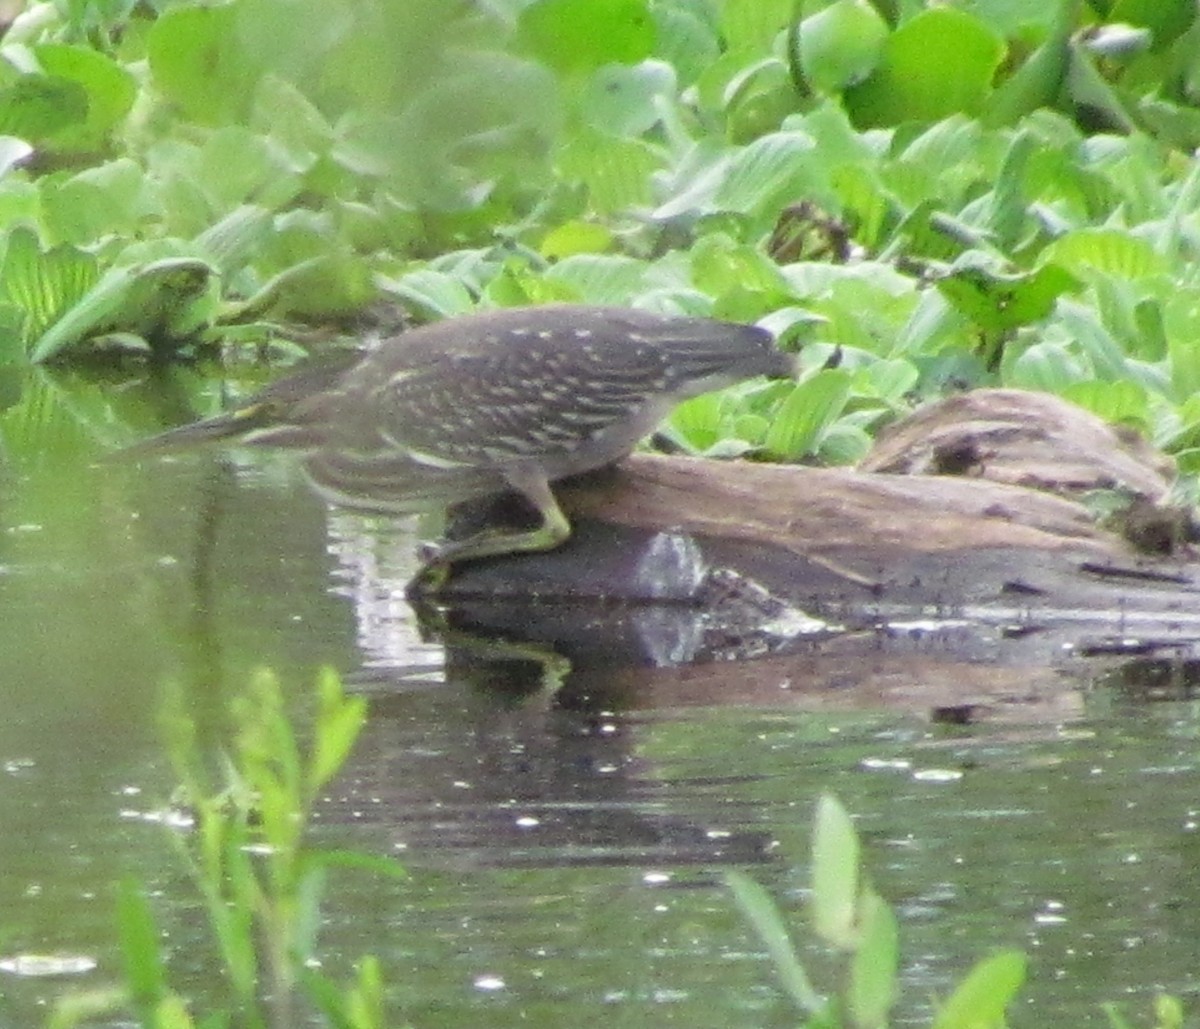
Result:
[
  {"x": 1166, "y": 19},
  {"x": 1047, "y": 366},
  {"x": 843, "y": 444},
  {"x": 758, "y": 171},
  {"x": 1039, "y": 79},
  {"x": 35, "y": 107},
  {"x": 616, "y": 172},
  {"x": 761, "y": 912},
  {"x": 600, "y": 278},
  {"x": 875, "y": 962},
  {"x": 997, "y": 303},
  {"x": 198, "y": 64},
  {"x": 575, "y": 237},
  {"x": 697, "y": 421},
  {"x": 239, "y": 166},
  {"x": 581, "y": 35},
  {"x": 1184, "y": 360},
  {"x": 43, "y": 285},
  {"x": 624, "y": 100},
  {"x": 720, "y": 264},
  {"x": 752, "y": 27},
  {"x": 888, "y": 379},
  {"x": 232, "y": 241},
  {"x": 172, "y": 298},
  {"x": 687, "y": 40},
  {"x": 1094, "y": 339},
  {"x": 433, "y": 293},
  {"x": 840, "y": 44},
  {"x": 835, "y": 883},
  {"x": 980, "y": 1000},
  {"x": 1110, "y": 251},
  {"x": 110, "y": 90},
  {"x": 110, "y": 199},
  {"x": 1118, "y": 402},
  {"x": 937, "y": 63}
]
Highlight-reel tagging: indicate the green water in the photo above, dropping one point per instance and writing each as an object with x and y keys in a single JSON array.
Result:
[{"x": 565, "y": 851}]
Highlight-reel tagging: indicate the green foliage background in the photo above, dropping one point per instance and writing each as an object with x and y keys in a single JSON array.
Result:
[{"x": 928, "y": 195}]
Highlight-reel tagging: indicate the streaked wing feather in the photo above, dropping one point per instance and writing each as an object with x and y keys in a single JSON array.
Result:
[{"x": 513, "y": 403}]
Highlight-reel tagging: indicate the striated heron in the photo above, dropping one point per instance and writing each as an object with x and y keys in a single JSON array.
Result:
[{"x": 475, "y": 406}]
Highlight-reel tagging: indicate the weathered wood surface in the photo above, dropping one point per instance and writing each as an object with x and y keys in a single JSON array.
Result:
[
  {"x": 1011, "y": 511},
  {"x": 939, "y": 592}
]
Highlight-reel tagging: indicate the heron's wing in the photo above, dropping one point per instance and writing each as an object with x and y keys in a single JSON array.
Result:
[{"x": 516, "y": 402}]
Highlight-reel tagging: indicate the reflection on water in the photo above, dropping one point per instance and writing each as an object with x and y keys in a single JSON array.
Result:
[{"x": 563, "y": 791}]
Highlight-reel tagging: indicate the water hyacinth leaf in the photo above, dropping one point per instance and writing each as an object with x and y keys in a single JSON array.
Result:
[
  {"x": 801, "y": 420},
  {"x": 434, "y": 294},
  {"x": 720, "y": 263},
  {"x": 581, "y": 35},
  {"x": 874, "y": 964},
  {"x": 754, "y": 26},
  {"x": 939, "y": 62},
  {"x": 997, "y": 303},
  {"x": 791, "y": 326},
  {"x": 687, "y": 189},
  {"x": 600, "y": 278},
  {"x": 198, "y": 64},
  {"x": 110, "y": 91},
  {"x": 616, "y": 172},
  {"x": 230, "y": 242},
  {"x": 889, "y": 378},
  {"x": 1039, "y": 79},
  {"x": 840, "y": 44},
  {"x": 1184, "y": 362},
  {"x": 110, "y": 199},
  {"x": 1105, "y": 250},
  {"x": 284, "y": 113},
  {"x": 36, "y": 107},
  {"x": 335, "y": 283},
  {"x": 1166, "y": 19},
  {"x": 575, "y": 237},
  {"x": 755, "y": 82},
  {"x": 43, "y": 285},
  {"x": 624, "y": 100},
  {"x": 844, "y": 444},
  {"x": 1094, "y": 339},
  {"x": 1047, "y": 366},
  {"x": 835, "y": 882},
  {"x": 980, "y": 1000},
  {"x": 696, "y": 423},
  {"x": 172, "y": 298},
  {"x": 760, "y": 911},
  {"x": 239, "y": 166},
  {"x": 758, "y": 171},
  {"x": 687, "y": 40},
  {"x": 1121, "y": 402}
]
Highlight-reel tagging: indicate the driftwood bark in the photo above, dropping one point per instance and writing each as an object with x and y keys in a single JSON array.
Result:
[
  {"x": 966, "y": 549},
  {"x": 995, "y": 472}
]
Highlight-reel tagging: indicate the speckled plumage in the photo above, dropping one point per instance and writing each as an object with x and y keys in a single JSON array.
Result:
[{"x": 507, "y": 399}]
